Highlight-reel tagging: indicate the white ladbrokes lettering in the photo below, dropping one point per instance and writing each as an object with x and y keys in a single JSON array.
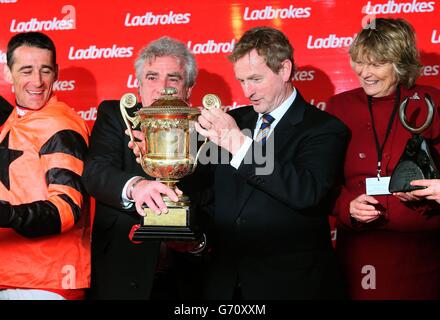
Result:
[
  {"x": 47, "y": 25},
  {"x": 88, "y": 115},
  {"x": 435, "y": 38},
  {"x": 132, "y": 82},
  {"x": 64, "y": 85},
  {"x": 211, "y": 47},
  {"x": 2, "y": 57},
  {"x": 431, "y": 71},
  {"x": 150, "y": 19},
  {"x": 269, "y": 13},
  {"x": 319, "y": 104},
  {"x": 392, "y": 7},
  {"x": 93, "y": 52},
  {"x": 304, "y": 75},
  {"x": 332, "y": 41}
]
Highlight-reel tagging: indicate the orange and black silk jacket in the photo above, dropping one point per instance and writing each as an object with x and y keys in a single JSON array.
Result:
[{"x": 44, "y": 218}]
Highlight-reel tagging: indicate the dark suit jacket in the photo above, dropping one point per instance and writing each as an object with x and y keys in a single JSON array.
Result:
[
  {"x": 270, "y": 233},
  {"x": 120, "y": 268},
  {"x": 5, "y": 110}
]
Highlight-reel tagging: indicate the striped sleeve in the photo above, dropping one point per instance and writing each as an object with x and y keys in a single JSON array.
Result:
[{"x": 62, "y": 159}]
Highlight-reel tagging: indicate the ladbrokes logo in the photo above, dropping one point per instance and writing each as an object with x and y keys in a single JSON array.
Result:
[
  {"x": 431, "y": 71},
  {"x": 435, "y": 37},
  {"x": 8, "y": 1},
  {"x": 65, "y": 85},
  {"x": 93, "y": 52},
  {"x": 304, "y": 75},
  {"x": 2, "y": 57},
  {"x": 150, "y": 19},
  {"x": 319, "y": 104},
  {"x": 88, "y": 115},
  {"x": 211, "y": 47},
  {"x": 61, "y": 85},
  {"x": 48, "y": 25},
  {"x": 269, "y": 13},
  {"x": 132, "y": 82},
  {"x": 392, "y": 7},
  {"x": 331, "y": 41}
]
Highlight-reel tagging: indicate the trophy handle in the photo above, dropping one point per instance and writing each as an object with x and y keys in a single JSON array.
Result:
[
  {"x": 208, "y": 101},
  {"x": 128, "y": 101},
  {"x": 428, "y": 121}
]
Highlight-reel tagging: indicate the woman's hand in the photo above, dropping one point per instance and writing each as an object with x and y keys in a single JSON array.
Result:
[
  {"x": 431, "y": 192},
  {"x": 362, "y": 208}
]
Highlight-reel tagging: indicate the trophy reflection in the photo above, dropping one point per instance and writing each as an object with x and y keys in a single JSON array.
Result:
[
  {"x": 416, "y": 162},
  {"x": 169, "y": 133}
]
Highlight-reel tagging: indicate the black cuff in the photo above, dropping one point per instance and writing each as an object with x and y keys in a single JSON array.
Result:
[{"x": 5, "y": 214}]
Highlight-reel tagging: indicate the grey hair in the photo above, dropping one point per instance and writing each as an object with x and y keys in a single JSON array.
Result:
[{"x": 164, "y": 47}]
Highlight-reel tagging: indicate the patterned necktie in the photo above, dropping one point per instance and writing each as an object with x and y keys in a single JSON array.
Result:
[{"x": 265, "y": 128}]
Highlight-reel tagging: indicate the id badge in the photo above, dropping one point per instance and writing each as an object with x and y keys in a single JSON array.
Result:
[{"x": 377, "y": 186}]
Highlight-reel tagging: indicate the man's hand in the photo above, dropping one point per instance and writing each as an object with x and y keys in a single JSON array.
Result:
[
  {"x": 150, "y": 193},
  {"x": 220, "y": 128},
  {"x": 432, "y": 192},
  {"x": 147, "y": 191},
  {"x": 362, "y": 208}
]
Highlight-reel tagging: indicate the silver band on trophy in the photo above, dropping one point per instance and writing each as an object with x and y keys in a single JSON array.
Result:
[{"x": 416, "y": 161}]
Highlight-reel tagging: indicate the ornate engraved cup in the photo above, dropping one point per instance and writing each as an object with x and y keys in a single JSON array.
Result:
[{"x": 168, "y": 127}]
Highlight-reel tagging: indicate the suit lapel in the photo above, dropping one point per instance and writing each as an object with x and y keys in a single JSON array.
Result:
[
  {"x": 280, "y": 136},
  {"x": 246, "y": 122},
  {"x": 286, "y": 127}
]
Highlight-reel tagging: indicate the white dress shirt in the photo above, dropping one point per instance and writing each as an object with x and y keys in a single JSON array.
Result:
[{"x": 277, "y": 114}]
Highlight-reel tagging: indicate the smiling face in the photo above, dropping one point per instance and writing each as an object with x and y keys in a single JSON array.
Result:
[
  {"x": 32, "y": 76},
  {"x": 377, "y": 79},
  {"x": 265, "y": 89},
  {"x": 160, "y": 73}
]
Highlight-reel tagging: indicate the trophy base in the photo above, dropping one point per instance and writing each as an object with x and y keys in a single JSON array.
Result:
[
  {"x": 174, "y": 225},
  {"x": 164, "y": 234},
  {"x": 405, "y": 172},
  {"x": 415, "y": 163}
]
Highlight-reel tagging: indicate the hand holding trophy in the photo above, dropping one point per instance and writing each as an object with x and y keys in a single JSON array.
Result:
[
  {"x": 416, "y": 161},
  {"x": 167, "y": 126}
]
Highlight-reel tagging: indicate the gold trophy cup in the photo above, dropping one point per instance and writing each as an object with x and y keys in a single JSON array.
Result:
[{"x": 168, "y": 127}]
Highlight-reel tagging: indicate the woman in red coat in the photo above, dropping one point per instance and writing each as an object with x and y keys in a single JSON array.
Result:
[{"x": 389, "y": 244}]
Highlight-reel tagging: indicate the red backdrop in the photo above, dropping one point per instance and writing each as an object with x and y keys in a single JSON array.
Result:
[{"x": 97, "y": 41}]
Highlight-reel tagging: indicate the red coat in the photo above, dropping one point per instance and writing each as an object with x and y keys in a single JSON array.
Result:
[{"x": 396, "y": 258}]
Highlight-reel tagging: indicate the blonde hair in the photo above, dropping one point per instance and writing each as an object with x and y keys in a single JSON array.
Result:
[{"x": 389, "y": 41}]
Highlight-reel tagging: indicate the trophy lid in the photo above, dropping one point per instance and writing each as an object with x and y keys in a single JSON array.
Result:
[{"x": 169, "y": 104}]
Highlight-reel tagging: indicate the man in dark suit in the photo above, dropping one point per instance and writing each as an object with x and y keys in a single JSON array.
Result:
[
  {"x": 270, "y": 234},
  {"x": 122, "y": 269}
]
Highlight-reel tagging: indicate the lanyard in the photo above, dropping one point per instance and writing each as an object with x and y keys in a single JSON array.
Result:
[{"x": 379, "y": 148}]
